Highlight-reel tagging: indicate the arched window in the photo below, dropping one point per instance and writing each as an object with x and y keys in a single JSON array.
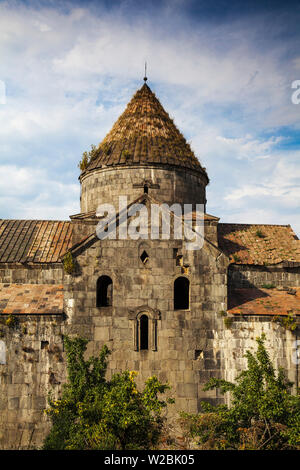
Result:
[
  {"x": 144, "y": 332},
  {"x": 104, "y": 291},
  {"x": 144, "y": 328},
  {"x": 181, "y": 293}
]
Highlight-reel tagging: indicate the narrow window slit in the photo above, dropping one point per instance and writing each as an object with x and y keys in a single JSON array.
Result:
[
  {"x": 144, "y": 332},
  {"x": 144, "y": 257}
]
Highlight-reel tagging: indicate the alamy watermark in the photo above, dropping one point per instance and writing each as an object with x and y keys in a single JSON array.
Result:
[
  {"x": 159, "y": 221},
  {"x": 2, "y": 92},
  {"x": 296, "y": 95}
]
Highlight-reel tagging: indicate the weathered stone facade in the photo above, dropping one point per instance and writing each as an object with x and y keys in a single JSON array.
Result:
[
  {"x": 240, "y": 276},
  {"x": 167, "y": 184},
  {"x": 32, "y": 366},
  {"x": 185, "y": 344}
]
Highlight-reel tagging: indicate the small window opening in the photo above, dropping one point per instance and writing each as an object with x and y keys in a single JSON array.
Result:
[
  {"x": 104, "y": 291},
  {"x": 198, "y": 354},
  {"x": 144, "y": 257},
  {"x": 181, "y": 293},
  {"x": 44, "y": 344},
  {"x": 144, "y": 332},
  {"x": 146, "y": 188}
]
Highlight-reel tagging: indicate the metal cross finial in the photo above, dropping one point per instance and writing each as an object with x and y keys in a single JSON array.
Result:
[{"x": 145, "y": 77}]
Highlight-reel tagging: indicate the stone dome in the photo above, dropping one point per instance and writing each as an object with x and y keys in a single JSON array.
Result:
[
  {"x": 144, "y": 134},
  {"x": 143, "y": 149}
]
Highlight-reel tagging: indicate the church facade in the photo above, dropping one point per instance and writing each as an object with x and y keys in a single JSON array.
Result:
[{"x": 184, "y": 315}]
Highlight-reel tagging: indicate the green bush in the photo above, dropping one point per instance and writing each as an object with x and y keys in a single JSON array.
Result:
[
  {"x": 97, "y": 414},
  {"x": 87, "y": 157},
  {"x": 263, "y": 414},
  {"x": 12, "y": 321},
  {"x": 259, "y": 234},
  {"x": 69, "y": 263},
  {"x": 289, "y": 322},
  {"x": 228, "y": 322}
]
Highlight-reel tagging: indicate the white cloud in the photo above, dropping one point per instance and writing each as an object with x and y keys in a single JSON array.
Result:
[
  {"x": 249, "y": 148},
  {"x": 271, "y": 197},
  {"x": 69, "y": 75},
  {"x": 30, "y": 193},
  {"x": 282, "y": 184}
]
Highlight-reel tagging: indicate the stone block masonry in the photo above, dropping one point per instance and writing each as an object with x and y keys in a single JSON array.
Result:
[{"x": 32, "y": 363}]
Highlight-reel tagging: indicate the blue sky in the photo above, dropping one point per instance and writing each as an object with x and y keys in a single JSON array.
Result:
[{"x": 223, "y": 70}]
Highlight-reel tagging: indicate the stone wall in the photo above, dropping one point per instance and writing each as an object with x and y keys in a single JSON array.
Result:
[
  {"x": 31, "y": 274},
  {"x": 171, "y": 185},
  {"x": 186, "y": 347},
  {"x": 233, "y": 342},
  {"x": 243, "y": 276},
  {"x": 32, "y": 363},
  {"x": 183, "y": 337},
  {"x": 190, "y": 346}
]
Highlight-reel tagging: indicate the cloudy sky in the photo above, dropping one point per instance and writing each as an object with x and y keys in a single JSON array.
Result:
[{"x": 223, "y": 70}]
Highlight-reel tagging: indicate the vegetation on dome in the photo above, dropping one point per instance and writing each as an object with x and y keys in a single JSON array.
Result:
[
  {"x": 87, "y": 157},
  {"x": 143, "y": 133}
]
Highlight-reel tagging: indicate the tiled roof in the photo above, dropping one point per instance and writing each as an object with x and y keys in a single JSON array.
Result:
[
  {"x": 45, "y": 241},
  {"x": 31, "y": 299},
  {"x": 145, "y": 134},
  {"x": 34, "y": 241},
  {"x": 261, "y": 301},
  {"x": 259, "y": 244}
]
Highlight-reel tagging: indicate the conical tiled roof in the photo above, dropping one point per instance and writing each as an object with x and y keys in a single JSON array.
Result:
[{"x": 144, "y": 134}]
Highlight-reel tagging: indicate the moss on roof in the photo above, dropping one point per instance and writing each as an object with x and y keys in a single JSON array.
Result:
[{"x": 259, "y": 244}]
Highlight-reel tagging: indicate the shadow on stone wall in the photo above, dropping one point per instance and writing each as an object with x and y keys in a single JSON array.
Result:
[{"x": 242, "y": 291}]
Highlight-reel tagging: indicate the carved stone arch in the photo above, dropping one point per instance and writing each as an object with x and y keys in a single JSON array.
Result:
[{"x": 137, "y": 316}]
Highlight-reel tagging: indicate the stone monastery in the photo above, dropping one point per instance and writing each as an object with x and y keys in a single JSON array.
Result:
[{"x": 182, "y": 315}]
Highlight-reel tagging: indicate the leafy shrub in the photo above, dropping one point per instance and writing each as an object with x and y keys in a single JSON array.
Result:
[
  {"x": 94, "y": 413},
  {"x": 236, "y": 258},
  {"x": 69, "y": 263},
  {"x": 263, "y": 414},
  {"x": 125, "y": 154},
  {"x": 12, "y": 321},
  {"x": 289, "y": 322},
  {"x": 87, "y": 157},
  {"x": 259, "y": 234},
  {"x": 228, "y": 322}
]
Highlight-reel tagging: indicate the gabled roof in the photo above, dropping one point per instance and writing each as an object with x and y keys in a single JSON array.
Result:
[
  {"x": 46, "y": 241},
  {"x": 146, "y": 199},
  {"x": 33, "y": 299},
  {"x": 91, "y": 215},
  {"x": 34, "y": 241},
  {"x": 259, "y": 244},
  {"x": 144, "y": 134}
]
